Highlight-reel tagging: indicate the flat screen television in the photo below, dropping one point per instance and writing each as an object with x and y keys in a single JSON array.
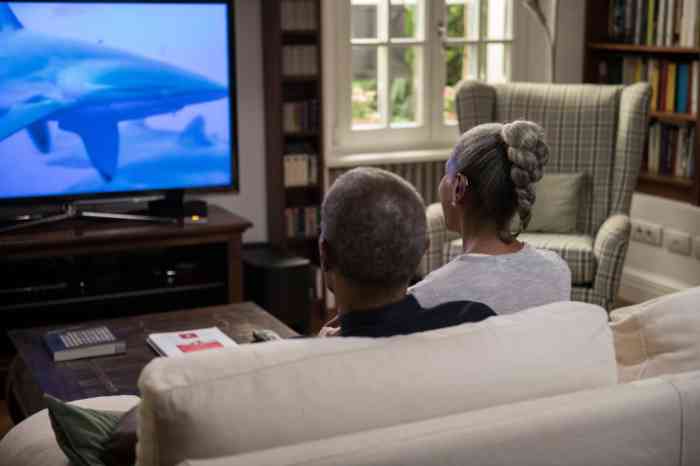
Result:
[{"x": 115, "y": 99}]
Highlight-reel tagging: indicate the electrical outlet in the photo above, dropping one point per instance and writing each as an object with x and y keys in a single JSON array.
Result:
[
  {"x": 646, "y": 232},
  {"x": 677, "y": 241},
  {"x": 696, "y": 247}
]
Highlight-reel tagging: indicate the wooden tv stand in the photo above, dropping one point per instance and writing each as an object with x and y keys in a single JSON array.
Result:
[{"x": 83, "y": 269}]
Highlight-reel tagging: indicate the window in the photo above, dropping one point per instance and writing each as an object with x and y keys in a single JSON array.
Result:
[{"x": 402, "y": 59}]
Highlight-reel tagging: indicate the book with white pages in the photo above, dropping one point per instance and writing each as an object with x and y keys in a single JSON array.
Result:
[{"x": 189, "y": 341}]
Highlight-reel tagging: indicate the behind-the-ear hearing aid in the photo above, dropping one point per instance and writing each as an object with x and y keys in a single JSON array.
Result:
[{"x": 461, "y": 183}]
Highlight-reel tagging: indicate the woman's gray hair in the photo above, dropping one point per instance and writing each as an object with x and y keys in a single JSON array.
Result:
[
  {"x": 502, "y": 162},
  {"x": 374, "y": 222}
]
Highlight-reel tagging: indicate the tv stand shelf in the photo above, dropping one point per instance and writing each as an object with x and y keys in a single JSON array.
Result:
[{"x": 84, "y": 269}]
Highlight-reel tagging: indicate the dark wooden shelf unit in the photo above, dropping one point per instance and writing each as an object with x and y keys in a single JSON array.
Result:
[
  {"x": 598, "y": 45},
  {"x": 674, "y": 117},
  {"x": 633, "y": 48},
  {"x": 279, "y": 89},
  {"x": 300, "y": 78},
  {"x": 85, "y": 269}
]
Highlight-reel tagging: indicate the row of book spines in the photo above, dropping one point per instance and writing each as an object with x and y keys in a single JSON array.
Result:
[
  {"x": 302, "y": 222},
  {"x": 674, "y": 85},
  {"x": 298, "y": 15},
  {"x": 299, "y": 60},
  {"x": 301, "y": 116},
  {"x": 671, "y": 151},
  {"x": 300, "y": 170},
  {"x": 663, "y": 23}
]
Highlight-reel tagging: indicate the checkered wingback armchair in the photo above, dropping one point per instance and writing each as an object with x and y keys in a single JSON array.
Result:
[{"x": 597, "y": 130}]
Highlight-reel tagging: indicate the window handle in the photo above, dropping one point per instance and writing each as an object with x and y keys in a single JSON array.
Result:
[{"x": 442, "y": 33}]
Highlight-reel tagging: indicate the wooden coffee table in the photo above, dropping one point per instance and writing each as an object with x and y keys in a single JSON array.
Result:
[{"x": 34, "y": 373}]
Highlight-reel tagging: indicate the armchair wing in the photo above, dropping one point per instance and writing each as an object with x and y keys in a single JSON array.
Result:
[{"x": 438, "y": 237}]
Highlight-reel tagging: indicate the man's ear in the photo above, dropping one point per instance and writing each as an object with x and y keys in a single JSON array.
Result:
[
  {"x": 325, "y": 255},
  {"x": 327, "y": 262}
]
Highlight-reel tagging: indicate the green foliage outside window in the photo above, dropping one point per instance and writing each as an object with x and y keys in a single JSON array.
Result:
[{"x": 403, "y": 86}]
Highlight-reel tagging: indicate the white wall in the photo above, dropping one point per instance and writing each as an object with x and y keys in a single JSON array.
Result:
[
  {"x": 532, "y": 65},
  {"x": 251, "y": 201},
  {"x": 652, "y": 271},
  {"x": 649, "y": 271}
]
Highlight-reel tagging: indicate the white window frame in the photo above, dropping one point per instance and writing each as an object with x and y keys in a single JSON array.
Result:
[{"x": 432, "y": 140}]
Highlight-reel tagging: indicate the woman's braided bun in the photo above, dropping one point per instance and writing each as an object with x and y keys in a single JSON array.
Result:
[{"x": 529, "y": 154}]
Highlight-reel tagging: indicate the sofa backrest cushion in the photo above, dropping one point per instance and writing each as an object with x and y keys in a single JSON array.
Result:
[
  {"x": 661, "y": 336},
  {"x": 266, "y": 395},
  {"x": 635, "y": 424}
]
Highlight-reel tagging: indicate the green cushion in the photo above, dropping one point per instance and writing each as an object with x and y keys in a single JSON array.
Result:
[
  {"x": 556, "y": 207},
  {"x": 81, "y": 433}
]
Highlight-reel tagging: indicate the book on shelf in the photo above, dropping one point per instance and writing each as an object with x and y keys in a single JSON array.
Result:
[
  {"x": 298, "y": 15},
  {"x": 661, "y": 23},
  {"x": 82, "y": 342},
  {"x": 302, "y": 222},
  {"x": 299, "y": 60},
  {"x": 300, "y": 116},
  {"x": 189, "y": 341},
  {"x": 670, "y": 91},
  {"x": 300, "y": 170},
  {"x": 673, "y": 83},
  {"x": 671, "y": 150}
]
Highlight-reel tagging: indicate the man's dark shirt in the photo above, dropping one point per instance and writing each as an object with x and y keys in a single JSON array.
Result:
[{"x": 406, "y": 316}]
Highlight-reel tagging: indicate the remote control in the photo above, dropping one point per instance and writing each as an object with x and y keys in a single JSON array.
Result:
[{"x": 264, "y": 334}]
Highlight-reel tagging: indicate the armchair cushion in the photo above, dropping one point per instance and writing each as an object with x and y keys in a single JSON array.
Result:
[
  {"x": 557, "y": 204},
  {"x": 576, "y": 250}
]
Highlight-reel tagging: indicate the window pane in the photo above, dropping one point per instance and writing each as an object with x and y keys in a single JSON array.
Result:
[
  {"x": 364, "y": 20},
  {"x": 404, "y": 90},
  {"x": 462, "y": 18},
  {"x": 461, "y": 63},
  {"x": 500, "y": 19},
  {"x": 497, "y": 63},
  {"x": 404, "y": 19},
  {"x": 365, "y": 109}
]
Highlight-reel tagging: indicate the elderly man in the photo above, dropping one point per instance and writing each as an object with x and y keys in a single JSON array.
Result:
[{"x": 373, "y": 235}]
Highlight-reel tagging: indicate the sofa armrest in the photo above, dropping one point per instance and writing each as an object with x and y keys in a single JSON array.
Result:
[
  {"x": 438, "y": 236},
  {"x": 610, "y": 249}
]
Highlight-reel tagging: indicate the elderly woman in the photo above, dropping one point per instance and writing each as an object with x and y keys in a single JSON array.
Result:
[
  {"x": 490, "y": 177},
  {"x": 373, "y": 235}
]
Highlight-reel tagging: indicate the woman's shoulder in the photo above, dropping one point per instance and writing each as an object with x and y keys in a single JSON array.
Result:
[{"x": 550, "y": 257}]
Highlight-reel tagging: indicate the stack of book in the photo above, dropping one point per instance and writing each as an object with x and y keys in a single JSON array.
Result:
[
  {"x": 300, "y": 116},
  {"x": 671, "y": 151},
  {"x": 302, "y": 222},
  {"x": 300, "y": 60},
  {"x": 661, "y": 23},
  {"x": 674, "y": 84},
  {"x": 298, "y": 15},
  {"x": 300, "y": 170}
]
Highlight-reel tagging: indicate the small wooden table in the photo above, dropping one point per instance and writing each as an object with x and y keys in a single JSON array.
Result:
[{"x": 34, "y": 373}]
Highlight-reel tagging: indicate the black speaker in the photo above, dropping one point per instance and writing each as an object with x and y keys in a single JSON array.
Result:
[{"x": 280, "y": 283}]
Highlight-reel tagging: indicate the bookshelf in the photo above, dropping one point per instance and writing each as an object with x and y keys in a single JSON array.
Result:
[
  {"x": 612, "y": 36},
  {"x": 293, "y": 127}
]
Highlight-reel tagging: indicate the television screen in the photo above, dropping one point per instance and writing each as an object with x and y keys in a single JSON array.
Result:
[{"x": 100, "y": 98}]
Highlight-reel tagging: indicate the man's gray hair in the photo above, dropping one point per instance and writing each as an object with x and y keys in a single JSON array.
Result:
[{"x": 374, "y": 222}]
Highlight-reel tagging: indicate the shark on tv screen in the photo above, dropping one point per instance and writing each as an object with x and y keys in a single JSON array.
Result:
[{"x": 114, "y": 98}]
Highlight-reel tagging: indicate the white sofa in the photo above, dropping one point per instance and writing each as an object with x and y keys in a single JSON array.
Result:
[{"x": 538, "y": 387}]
